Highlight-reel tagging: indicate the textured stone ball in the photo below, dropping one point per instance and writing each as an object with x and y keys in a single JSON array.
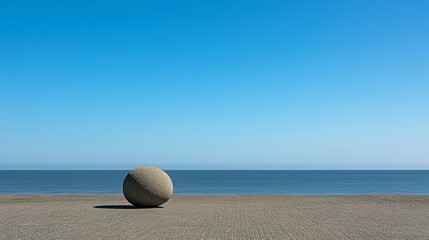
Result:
[{"x": 147, "y": 187}]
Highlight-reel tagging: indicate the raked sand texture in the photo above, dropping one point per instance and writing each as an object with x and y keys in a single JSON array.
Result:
[{"x": 216, "y": 217}]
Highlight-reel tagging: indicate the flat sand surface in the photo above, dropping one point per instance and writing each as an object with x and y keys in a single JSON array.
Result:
[{"x": 216, "y": 217}]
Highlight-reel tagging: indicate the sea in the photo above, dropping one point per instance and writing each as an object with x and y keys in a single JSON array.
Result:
[{"x": 223, "y": 182}]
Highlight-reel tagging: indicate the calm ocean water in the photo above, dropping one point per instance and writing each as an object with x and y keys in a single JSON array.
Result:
[{"x": 223, "y": 182}]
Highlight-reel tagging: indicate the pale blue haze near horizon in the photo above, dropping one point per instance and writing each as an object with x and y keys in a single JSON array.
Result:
[{"x": 214, "y": 84}]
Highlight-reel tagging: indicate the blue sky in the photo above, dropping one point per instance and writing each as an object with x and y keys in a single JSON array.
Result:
[{"x": 214, "y": 84}]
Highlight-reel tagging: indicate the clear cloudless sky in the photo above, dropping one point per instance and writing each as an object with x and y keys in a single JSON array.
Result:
[{"x": 214, "y": 84}]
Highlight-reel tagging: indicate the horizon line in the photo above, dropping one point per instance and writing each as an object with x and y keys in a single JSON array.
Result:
[{"x": 223, "y": 169}]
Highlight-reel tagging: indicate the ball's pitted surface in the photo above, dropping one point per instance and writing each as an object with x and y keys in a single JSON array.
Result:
[{"x": 147, "y": 187}]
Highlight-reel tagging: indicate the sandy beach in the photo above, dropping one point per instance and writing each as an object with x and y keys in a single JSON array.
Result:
[{"x": 216, "y": 217}]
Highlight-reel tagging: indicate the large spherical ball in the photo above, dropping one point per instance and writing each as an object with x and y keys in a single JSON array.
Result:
[{"x": 147, "y": 187}]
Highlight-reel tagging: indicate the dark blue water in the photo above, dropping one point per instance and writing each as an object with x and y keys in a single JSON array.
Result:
[{"x": 223, "y": 182}]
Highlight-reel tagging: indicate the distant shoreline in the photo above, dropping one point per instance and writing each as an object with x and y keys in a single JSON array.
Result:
[{"x": 224, "y": 195}]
